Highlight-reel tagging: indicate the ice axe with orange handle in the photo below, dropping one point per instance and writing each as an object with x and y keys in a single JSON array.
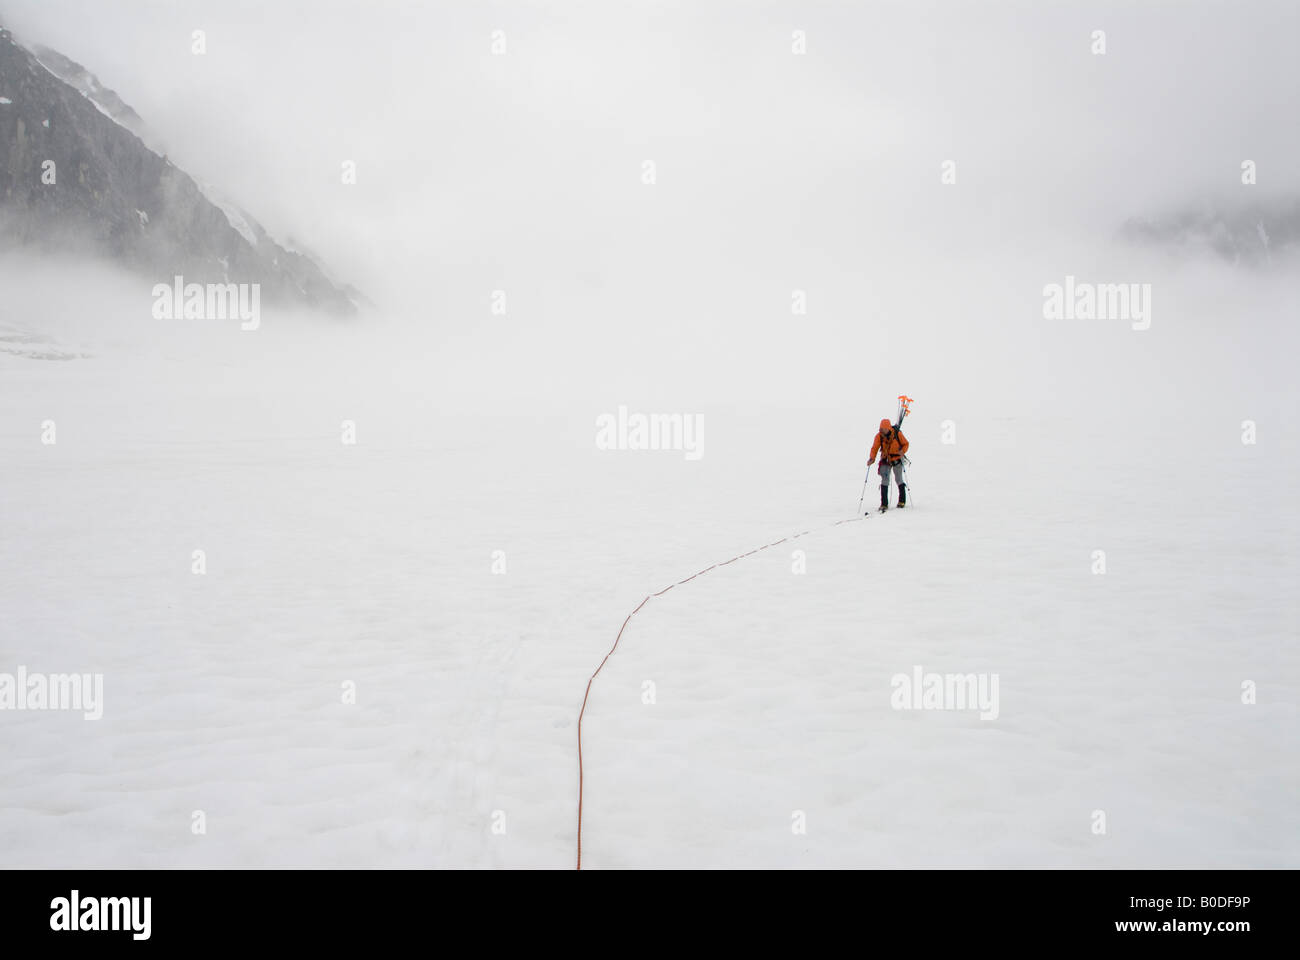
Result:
[{"x": 904, "y": 408}]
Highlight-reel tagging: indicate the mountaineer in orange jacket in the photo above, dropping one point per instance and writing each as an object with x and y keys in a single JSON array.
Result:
[{"x": 891, "y": 445}]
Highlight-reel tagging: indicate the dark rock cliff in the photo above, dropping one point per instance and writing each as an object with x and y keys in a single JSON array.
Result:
[{"x": 114, "y": 196}]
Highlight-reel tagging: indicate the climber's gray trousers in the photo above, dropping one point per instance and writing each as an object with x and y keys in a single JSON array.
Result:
[{"x": 885, "y": 470}]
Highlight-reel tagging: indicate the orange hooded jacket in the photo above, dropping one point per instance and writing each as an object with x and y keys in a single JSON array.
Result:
[{"x": 890, "y": 443}]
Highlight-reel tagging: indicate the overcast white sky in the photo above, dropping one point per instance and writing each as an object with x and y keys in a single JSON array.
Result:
[
  {"x": 464, "y": 156},
  {"x": 523, "y": 172}
]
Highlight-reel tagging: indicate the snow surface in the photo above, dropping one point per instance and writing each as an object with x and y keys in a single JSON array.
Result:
[{"x": 372, "y": 564}]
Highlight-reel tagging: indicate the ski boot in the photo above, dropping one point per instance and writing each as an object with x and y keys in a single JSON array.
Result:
[
  {"x": 884, "y": 497},
  {"x": 902, "y": 495}
]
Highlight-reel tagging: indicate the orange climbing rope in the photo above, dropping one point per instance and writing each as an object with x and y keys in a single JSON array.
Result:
[{"x": 592, "y": 679}]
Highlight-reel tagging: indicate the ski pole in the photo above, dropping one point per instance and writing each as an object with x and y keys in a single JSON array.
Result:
[{"x": 865, "y": 481}]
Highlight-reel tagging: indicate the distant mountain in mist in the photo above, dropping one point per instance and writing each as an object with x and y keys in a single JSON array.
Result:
[
  {"x": 116, "y": 194},
  {"x": 1250, "y": 235}
]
